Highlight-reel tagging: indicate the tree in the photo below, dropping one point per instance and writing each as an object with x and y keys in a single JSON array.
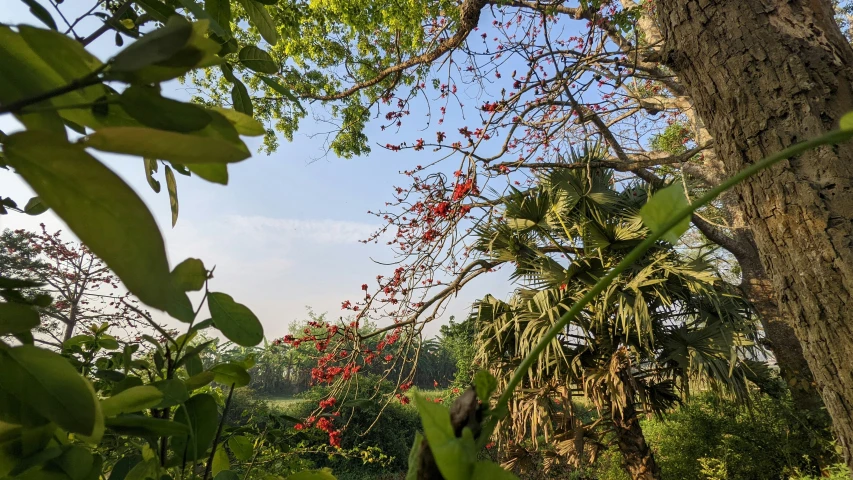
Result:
[
  {"x": 787, "y": 75},
  {"x": 665, "y": 328},
  {"x": 82, "y": 287}
]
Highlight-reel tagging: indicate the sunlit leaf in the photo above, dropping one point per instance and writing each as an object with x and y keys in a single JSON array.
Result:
[
  {"x": 172, "y": 188},
  {"x": 133, "y": 399},
  {"x": 230, "y": 374},
  {"x": 257, "y": 59},
  {"x": 190, "y": 275},
  {"x": 103, "y": 211},
  {"x": 240, "y": 98},
  {"x": 235, "y": 320},
  {"x": 260, "y": 18},
  {"x": 662, "y": 207},
  {"x": 48, "y": 384},
  {"x": 145, "y": 105},
  {"x": 202, "y": 415},
  {"x": 17, "y": 318}
]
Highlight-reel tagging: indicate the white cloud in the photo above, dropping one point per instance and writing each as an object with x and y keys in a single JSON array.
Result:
[{"x": 326, "y": 231}]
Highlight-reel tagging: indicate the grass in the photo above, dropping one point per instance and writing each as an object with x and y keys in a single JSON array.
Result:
[{"x": 283, "y": 402}]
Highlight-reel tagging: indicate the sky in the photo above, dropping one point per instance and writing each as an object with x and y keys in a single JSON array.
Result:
[{"x": 284, "y": 234}]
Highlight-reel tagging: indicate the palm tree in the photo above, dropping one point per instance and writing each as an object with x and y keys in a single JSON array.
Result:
[{"x": 665, "y": 327}]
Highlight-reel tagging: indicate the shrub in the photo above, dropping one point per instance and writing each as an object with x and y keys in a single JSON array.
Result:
[{"x": 711, "y": 438}]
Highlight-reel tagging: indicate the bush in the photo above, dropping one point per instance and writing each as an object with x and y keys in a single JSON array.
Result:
[
  {"x": 393, "y": 434},
  {"x": 714, "y": 439}
]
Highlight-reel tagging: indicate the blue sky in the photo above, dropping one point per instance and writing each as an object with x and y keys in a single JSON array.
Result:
[{"x": 284, "y": 233}]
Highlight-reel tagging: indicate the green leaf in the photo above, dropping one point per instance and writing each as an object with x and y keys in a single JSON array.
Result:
[
  {"x": 484, "y": 470},
  {"x": 453, "y": 456},
  {"x": 123, "y": 466},
  {"x": 212, "y": 172},
  {"x": 218, "y": 143},
  {"x": 324, "y": 474},
  {"x": 48, "y": 384},
  {"x": 662, "y": 207},
  {"x": 220, "y": 13},
  {"x": 235, "y": 320},
  {"x": 139, "y": 425},
  {"x": 257, "y": 59},
  {"x": 158, "y": 10},
  {"x": 226, "y": 475},
  {"x": 244, "y": 124},
  {"x": 35, "y": 207},
  {"x": 155, "y": 47},
  {"x": 267, "y": 2},
  {"x": 229, "y": 374},
  {"x": 41, "y": 13},
  {"x": 414, "y": 457},
  {"x": 485, "y": 383},
  {"x": 150, "y": 168},
  {"x": 17, "y": 318},
  {"x": 199, "y": 380},
  {"x": 200, "y": 13},
  {"x": 189, "y": 275},
  {"x": 148, "y": 107},
  {"x": 201, "y": 413},
  {"x": 272, "y": 83},
  {"x": 846, "y": 122},
  {"x": 220, "y": 461},
  {"x": 240, "y": 98},
  {"x": 108, "y": 342},
  {"x": 133, "y": 399},
  {"x": 103, "y": 211},
  {"x": 241, "y": 447},
  {"x": 172, "y": 188},
  {"x": 260, "y": 18},
  {"x": 174, "y": 392}
]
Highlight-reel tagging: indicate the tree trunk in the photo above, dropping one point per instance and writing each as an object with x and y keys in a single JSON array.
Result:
[
  {"x": 764, "y": 74},
  {"x": 639, "y": 458},
  {"x": 783, "y": 342}
]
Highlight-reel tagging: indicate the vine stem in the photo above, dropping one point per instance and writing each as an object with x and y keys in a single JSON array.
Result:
[
  {"x": 502, "y": 407},
  {"x": 218, "y": 434}
]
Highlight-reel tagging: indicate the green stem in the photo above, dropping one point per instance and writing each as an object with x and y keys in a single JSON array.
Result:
[
  {"x": 218, "y": 434},
  {"x": 501, "y": 409}
]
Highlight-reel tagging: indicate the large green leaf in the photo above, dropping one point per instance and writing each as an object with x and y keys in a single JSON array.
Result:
[
  {"x": 133, "y": 399},
  {"x": 174, "y": 392},
  {"x": 662, "y": 207},
  {"x": 190, "y": 275},
  {"x": 48, "y": 384},
  {"x": 17, "y": 318},
  {"x": 148, "y": 107},
  {"x": 241, "y": 447},
  {"x": 235, "y": 320},
  {"x": 219, "y": 142},
  {"x": 226, "y": 475},
  {"x": 231, "y": 374},
  {"x": 485, "y": 383},
  {"x": 212, "y": 172},
  {"x": 103, "y": 211},
  {"x": 484, "y": 470},
  {"x": 244, "y": 124},
  {"x": 143, "y": 426},
  {"x": 123, "y": 467},
  {"x": 202, "y": 415},
  {"x": 220, "y": 461},
  {"x": 257, "y": 59},
  {"x": 260, "y": 18},
  {"x": 220, "y": 12},
  {"x": 155, "y": 47},
  {"x": 199, "y": 379},
  {"x": 200, "y": 13},
  {"x": 158, "y": 10},
  {"x": 414, "y": 457},
  {"x": 454, "y": 456}
]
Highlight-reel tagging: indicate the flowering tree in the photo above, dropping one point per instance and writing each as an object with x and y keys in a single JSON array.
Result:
[{"x": 84, "y": 291}]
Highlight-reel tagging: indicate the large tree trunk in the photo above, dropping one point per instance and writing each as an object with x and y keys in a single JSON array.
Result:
[
  {"x": 764, "y": 74},
  {"x": 782, "y": 339},
  {"x": 639, "y": 458}
]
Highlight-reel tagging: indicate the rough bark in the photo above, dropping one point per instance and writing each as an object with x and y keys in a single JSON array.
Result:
[
  {"x": 764, "y": 74},
  {"x": 782, "y": 339},
  {"x": 639, "y": 458}
]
